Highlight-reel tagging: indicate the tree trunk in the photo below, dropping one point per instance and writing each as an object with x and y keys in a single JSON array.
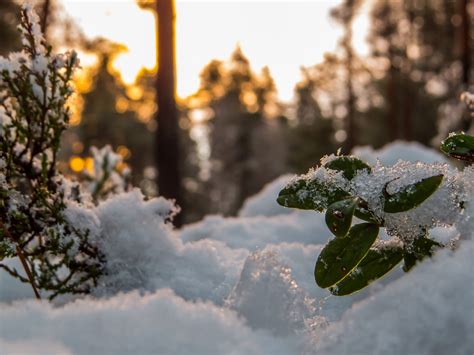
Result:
[
  {"x": 167, "y": 136},
  {"x": 45, "y": 17},
  {"x": 466, "y": 44},
  {"x": 407, "y": 120},
  {"x": 350, "y": 119}
]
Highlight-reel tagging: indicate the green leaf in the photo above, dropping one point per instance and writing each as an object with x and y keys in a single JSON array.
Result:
[
  {"x": 339, "y": 216},
  {"x": 348, "y": 165},
  {"x": 363, "y": 212},
  {"x": 375, "y": 264},
  {"x": 459, "y": 146},
  {"x": 309, "y": 194},
  {"x": 420, "y": 248},
  {"x": 341, "y": 255},
  {"x": 412, "y": 195}
]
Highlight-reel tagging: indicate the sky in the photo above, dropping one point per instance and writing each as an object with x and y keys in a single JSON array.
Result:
[{"x": 283, "y": 35}]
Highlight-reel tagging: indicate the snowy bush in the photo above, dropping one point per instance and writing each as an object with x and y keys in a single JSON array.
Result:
[
  {"x": 34, "y": 88},
  {"x": 407, "y": 199}
]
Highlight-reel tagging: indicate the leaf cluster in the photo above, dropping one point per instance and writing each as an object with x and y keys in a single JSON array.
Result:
[{"x": 355, "y": 257}]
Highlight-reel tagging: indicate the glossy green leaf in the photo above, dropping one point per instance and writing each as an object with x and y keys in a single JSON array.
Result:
[
  {"x": 459, "y": 146},
  {"x": 363, "y": 212},
  {"x": 310, "y": 195},
  {"x": 421, "y": 248},
  {"x": 412, "y": 195},
  {"x": 375, "y": 264},
  {"x": 348, "y": 165},
  {"x": 341, "y": 255},
  {"x": 339, "y": 216}
]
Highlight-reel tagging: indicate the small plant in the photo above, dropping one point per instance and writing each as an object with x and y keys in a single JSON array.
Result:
[
  {"x": 109, "y": 175},
  {"x": 399, "y": 199},
  {"x": 35, "y": 85}
]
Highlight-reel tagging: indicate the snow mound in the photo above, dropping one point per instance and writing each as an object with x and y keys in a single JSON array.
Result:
[
  {"x": 33, "y": 346},
  {"x": 143, "y": 252},
  {"x": 306, "y": 227},
  {"x": 268, "y": 296},
  {"x": 158, "y": 323},
  {"x": 429, "y": 311},
  {"x": 264, "y": 203},
  {"x": 399, "y": 150}
]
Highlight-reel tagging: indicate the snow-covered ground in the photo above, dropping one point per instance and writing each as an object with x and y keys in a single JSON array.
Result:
[{"x": 243, "y": 285}]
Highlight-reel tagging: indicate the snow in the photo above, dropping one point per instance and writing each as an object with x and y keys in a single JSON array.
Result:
[
  {"x": 144, "y": 252},
  {"x": 11, "y": 289},
  {"x": 157, "y": 323},
  {"x": 33, "y": 346},
  {"x": 244, "y": 285},
  {"x": 305, "y": 227},
  {"x": 440, "y": 209},
  {"x": 265, "y": 284},
  {"x": 399, "y": 150},
  {"x": 263, "y": 203}
]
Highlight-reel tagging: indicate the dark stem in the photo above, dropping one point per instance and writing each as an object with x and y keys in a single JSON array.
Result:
[{"x": 23, "y": 260}]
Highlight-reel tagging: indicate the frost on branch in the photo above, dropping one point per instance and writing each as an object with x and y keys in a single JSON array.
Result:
[{"x": 35, "y": 85}]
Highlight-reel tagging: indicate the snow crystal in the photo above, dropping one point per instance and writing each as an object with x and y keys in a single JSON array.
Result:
[
  {"x": 268, "y": 296},
  {"x": 440, "y": 209}
]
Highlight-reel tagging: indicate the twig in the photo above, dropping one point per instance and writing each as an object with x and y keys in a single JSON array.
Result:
[{"x": 23, "y": 261}]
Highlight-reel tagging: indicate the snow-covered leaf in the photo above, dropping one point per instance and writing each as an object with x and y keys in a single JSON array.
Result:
[
  {"x": 310, "y": 195},
  {"x": 348, "y": 165},
  {"x": 412, "y": 195}
]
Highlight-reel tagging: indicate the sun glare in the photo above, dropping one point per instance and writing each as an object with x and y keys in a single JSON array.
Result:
[{"x": 294, "y": 33}]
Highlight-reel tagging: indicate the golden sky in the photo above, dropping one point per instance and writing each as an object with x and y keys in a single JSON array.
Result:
[{"x": 280, "y": 34}]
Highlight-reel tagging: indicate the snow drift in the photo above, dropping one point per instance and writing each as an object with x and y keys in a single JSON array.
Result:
[{"x": 241, "y": 285}]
